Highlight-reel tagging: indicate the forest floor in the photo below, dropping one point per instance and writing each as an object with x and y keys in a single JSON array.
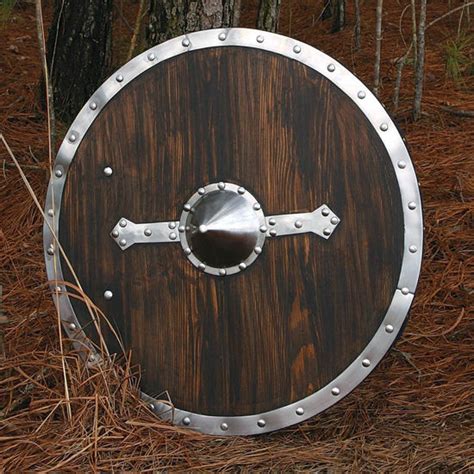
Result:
[{"x": 416, "y": 410}]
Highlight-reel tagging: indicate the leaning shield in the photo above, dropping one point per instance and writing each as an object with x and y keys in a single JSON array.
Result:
[{"x": 246, "y": 216}]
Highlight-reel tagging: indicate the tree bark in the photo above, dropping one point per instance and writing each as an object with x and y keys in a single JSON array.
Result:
[
  {"x": 420, "y": 61},
  {"x": 378, "y": 45},
  {"x": 268, "y": 14},
  {"x": 170, "y": 18},
  {"x": 78, "y": 52}
]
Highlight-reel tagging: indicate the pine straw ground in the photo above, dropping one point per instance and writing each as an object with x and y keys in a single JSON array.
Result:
[{"x": 414, "y": 413}]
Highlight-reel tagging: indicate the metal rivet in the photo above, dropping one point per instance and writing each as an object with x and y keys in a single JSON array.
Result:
[
  {"x": 257, "y": 206},
  {"x": 389, "y": 328},
  {"x": 298, "y": 224},
  {"x": 413, "y": 248},
  {"x": 242, "y": 266},
  {"x": 384, "y": 127},
  {"x": 325, "y": 212},
  {"x": 361, "y": 95},
  {"x": 147, "y": 232},
  {"x": 221, "y": 185},
  {"x": 402, "y": 164},
  {"x": 366, "y": 362},
  {"x": 123, "y": 242},
  {"x": 273, "y": 233},
  {"x": 72, "y": 137},
  {"x": 108, "y": 171},
  {"x": 261, "y": 423},
  {"x": 263, "y": 228},
  {"x": 58, "y": 173},
  {"x": 258, "y": 250},
  {"x": 297, "y": 49},
  {"x": 412, "y": 205},
  {"x": 334, "y": 220},
  {"x": 119, "y": 78},
  {"x": 260, "y": 39},
  {"x": 300, "y": 411},
  {"x": 93, "y": 105},
  {"x": 241, "y": 190},
  {"x": 331, "y": 67},
  {"x": 172, "y": 225},
  {"x": 335, "y": 391},
  {"x": 202, "y": 266},
  {"x": 186, "y": 421},
  {"x": 72, "y": 326},
  {"x": 108, "y": 294},
  {"x": 222, "y": 36},
  {"x": 50, "y": 250},
  {"x": 185, "y": 42},
  {"x": 115, "y": 233},
  {"x": 405, "y": 291},
  {"x": 224, "y": 426},
  {"x": 272, "y": 221},
  {"x": 181, "y": 228},
  {"x": 173, "y": 236},
  {"x": 201, "y": 191},
  {"x": 123, "y": 223},
  {"x": 92, "y": 357},
  {"x": 151, "y": 56},
  {"x": 187, "y": 207},
  {"x": 202, "y": 228},
  {"x": 327, "y": 231},
  {"x": 152, "y": 407},
  {"x": 50, "y": 213},
  {"x": 187, "y": 251},
  {"x": 222, "y": 272}
]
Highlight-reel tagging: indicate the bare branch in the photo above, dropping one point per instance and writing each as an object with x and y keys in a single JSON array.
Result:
[
  {"x": 378, "y": 46},
  {"x": 420, "y": 61}
]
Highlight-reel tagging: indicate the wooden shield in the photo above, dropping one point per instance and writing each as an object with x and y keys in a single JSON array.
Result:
[{"x": 246, "y": 215}]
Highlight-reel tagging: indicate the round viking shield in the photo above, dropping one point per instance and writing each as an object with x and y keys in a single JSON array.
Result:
[{"x": 246, "y": 215}]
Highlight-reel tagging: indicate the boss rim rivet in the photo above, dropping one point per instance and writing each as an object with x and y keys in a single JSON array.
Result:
[
  {"x": 261, "y": 423},
  {"x": 260, "y": 39},
  {"x": 325, "y": 212},
  {"x": 263, "y": 228},
  {"x": 72, "y": 137},
  {"x": 202, "y": 266},
  {"x": 222, "y": 272},
  {"x": 147, "y": 232},
  {"x": 93, "y": 105},
  {"x": 272, "y": 221},
  {"x": 327, "y": 231},
  {"x": 389, "y": 328},
  {"x": 187, "y": 251},
  {"x": 402, "y": 164},
  {"x": 50, "y": 250},
  {"x": 405, "y": 291},
  {"x": 108, "y": 294},
  {"x": 413, "y": 248},
  {"x": 300, "y": 411},
  {"x": 172, "y": 225},
  {"x": 108, "y": 171},
  {"x": 222, "y": 36},
  {"x": 297, "y": 49},
  {"x": 72, "y": 326},
  {"x": 366, "y": 362},
  {"x": 241, "y": 190},
  {"x": 185, "y": 42},
  {"x": 58, "y": 173},
  {"x": 224, "y": 426},
  {"x": 361, "y": 95},
  {"x": 384, "y": 127},
  {"x": 221, "y": 186},
  {"x": 123, "y": 242},
  {"x": 115, "y": 233},
  {"x": 186, "y": 420},
  {"x": 335, "y": 391},
  {"x": 298, "y": 224},
  {"x": 50, "y": 213},
  {"x": 258, "y": 250},
  {"x": 181, "y": 228},
  {"x": 331, "y": 68},
  {"x": 119, "y": 78},
  {"x": 273, "y": 233},
  {"x": 412, "y": 206},
  {"x": 242, "y": 266},
  {"x": 151, "y": 56},
  {"x": 152, "y": 407},
  {"x": 257, "y": 206},
  {"x": 92, "y": 358},
  {"x": 334, "y": 220},
  {"x": 201, "y": 191},
  {"x": 187, "y": 207},
  {"x": 123, "y": 223},
  {"x": 172, "y": 236}
]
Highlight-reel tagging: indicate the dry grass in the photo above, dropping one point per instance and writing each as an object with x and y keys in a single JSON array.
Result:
[{"x": 414, "y": 413}]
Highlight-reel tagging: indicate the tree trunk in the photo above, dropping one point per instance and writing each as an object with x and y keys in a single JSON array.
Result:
[
  {"x": 268, "y": 14},
  {"x": 170, "y": 18},
  {"x": 378, "y": 45},
  {"x": 78, "y": 52},
  {"x": 357, "y": 27},
  {"x": 420, "y": 61}
]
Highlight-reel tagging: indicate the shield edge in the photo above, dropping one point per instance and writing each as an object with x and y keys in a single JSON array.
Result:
[{"x": 397, "y": 312}]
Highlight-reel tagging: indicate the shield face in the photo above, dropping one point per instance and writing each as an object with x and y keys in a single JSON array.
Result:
[{"x": 247, "y": 217}]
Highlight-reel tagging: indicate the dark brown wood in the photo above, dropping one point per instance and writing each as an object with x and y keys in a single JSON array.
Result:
[{"x": 307, "y": 307}]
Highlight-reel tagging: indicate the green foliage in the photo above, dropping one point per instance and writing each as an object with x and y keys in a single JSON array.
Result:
[
  {"x": 6, "y": 7},
  {"x": 459, "y": 57}
]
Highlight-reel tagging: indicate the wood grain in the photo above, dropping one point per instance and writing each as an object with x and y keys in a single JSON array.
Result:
[{"x": 307, "y": 307}]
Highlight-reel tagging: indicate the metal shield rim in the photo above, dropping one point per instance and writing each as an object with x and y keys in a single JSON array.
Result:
[{"x": 374, "y": 111}]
